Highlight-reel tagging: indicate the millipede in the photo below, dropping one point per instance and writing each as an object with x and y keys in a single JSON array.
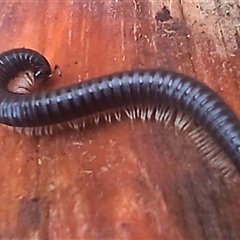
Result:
[{"x": 138, "y": 93}]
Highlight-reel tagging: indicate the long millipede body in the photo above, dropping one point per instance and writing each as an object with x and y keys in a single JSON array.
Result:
[{"x": 112, "y": 92}]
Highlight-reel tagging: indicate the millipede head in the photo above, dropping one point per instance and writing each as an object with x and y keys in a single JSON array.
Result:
[{"x": 42, "y": 73}]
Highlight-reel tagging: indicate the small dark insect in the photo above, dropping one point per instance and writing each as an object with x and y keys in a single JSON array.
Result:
[{"x": 140, "y": 94}]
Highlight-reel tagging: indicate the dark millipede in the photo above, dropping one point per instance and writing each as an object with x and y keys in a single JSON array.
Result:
[{"x": 116, "y": 91}]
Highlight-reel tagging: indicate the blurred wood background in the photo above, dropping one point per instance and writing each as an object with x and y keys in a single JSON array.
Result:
[{"x": 127, "y": 180}]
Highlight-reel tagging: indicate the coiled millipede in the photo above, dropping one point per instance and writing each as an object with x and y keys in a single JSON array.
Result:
[{"x": 145, "y": 94}]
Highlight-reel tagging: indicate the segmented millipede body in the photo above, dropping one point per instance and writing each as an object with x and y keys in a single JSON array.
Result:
[{"x": 110, "y": 93}]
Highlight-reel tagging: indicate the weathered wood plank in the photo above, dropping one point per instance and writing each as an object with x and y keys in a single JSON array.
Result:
[{"x": 128, "y": 179}]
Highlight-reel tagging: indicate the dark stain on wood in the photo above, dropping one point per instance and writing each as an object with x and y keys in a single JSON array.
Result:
[
  {"x": 29, "y": 213},
  {"x": 163, "y": 15}
]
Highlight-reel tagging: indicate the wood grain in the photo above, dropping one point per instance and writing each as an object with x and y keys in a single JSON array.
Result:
[{"x": 128, "y": 179}]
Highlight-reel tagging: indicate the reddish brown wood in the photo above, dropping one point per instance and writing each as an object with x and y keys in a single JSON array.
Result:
[{"x": 127, "y": 180}]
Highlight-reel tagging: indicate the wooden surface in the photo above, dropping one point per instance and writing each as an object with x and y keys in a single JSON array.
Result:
[{"x": 128, "y": 179}]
